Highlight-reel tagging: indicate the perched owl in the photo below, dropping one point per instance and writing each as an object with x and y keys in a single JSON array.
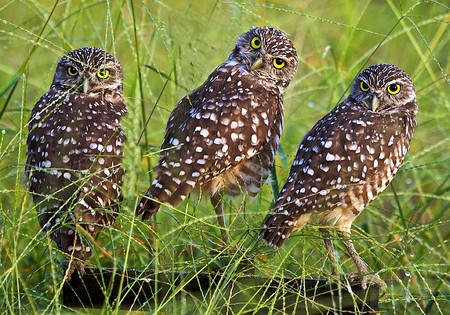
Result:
[
  {"x": 222, "y": 137},
  {"x": 75, "y": 150},
  {"x": 347, "y": 159}
]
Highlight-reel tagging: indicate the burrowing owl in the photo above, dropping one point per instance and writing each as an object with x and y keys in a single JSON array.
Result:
[
  {"x": 75, "y": 150},
  {"x": 347, "y": 159},
  {"x": 222, "y": 137}
]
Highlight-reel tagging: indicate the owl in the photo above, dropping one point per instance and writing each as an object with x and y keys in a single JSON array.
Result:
[
  {"x": 74, "y": 151},
  {"x": 347, "y": 159},
  {"x": 222, "y": 138}
]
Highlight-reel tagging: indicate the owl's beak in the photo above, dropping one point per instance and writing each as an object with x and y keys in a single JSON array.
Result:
[
  {"x": 86, "y": 86},
  {"x": 257, "y": 64},
  {"x": 375, "y": 103}
]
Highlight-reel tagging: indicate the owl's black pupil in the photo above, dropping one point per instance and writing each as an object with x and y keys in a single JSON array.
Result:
[
  {"x": 393, "y": 87},
  {"x": 365, "y": 86},
  {"x": 257, "y": 42},
  {"x": 279, "y": 61}
]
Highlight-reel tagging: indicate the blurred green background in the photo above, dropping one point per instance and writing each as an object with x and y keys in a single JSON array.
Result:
[{"x": 167, "y": 48}]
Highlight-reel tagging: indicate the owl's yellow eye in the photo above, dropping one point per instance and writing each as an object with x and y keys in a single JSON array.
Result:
[
  {"x": 103, "y": 73},
  {"x": 278, "y": 63},
  {"x": 364, "y": 86},
  {"x": 256, "y": 42},
  {"x": 393, "y": 89},
  {"x": 72, "y": 71}
]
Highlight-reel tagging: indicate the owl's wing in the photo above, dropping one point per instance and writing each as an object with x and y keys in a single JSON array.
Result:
[
  {"x": 44, "y": 166},
  {"x": 50, "y": 182},
  {"x": 34, "y": 135},
  {"x": 224, "y": 122}
]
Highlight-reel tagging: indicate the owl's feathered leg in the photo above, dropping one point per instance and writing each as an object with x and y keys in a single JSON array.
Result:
[
  {"x": 360, "y": 265},
  {"x": 216, "y": 200},
  {"x": 331, "y": 252},
  {"x": 348, "y": 243},
  {"x": 71, "y": 265},
  {"x": 73, "y": 245}
]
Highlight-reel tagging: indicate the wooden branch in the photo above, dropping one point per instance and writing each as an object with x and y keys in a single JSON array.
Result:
[{"x": 135, "y": 288}]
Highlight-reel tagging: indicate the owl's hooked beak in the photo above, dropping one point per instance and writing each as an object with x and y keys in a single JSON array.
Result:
[
  {"x": 375, "y": 103},
  {"x": 257, "y": 64},
  {"x": 85, "y": 86}
]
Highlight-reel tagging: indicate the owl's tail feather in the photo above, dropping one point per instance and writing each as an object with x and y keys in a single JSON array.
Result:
[
  {"x": 277, "y": 229},
  {"x": 148, "y": 206},
  {"x": 165, "y": 189}
]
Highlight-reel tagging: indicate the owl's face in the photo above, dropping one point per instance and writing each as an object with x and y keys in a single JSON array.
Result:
[
  {"x": 267, "y": 53},
  {"x": 89, "y": 70},
  {"x": 383, "y": 87}
]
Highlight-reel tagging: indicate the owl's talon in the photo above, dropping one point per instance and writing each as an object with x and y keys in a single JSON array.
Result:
[{"x": 367, "y": 280}]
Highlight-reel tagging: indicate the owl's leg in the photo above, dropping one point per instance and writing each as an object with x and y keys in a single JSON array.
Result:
[
  {"x": 58, "y": 224},
  {"x": 360, "y": 265},
  {"x": 217, "y": 203},
  {"x": 331, "y": 253},
  {"x": 72, "y": 244},
  {"x": 73, "y": 264}
]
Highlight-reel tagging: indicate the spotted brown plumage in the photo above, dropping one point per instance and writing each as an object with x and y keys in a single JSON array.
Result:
[
  {"x": 347, "y": 159},
  {"x": 75, "y": 150},
  {"x": 222, "y": 137}
]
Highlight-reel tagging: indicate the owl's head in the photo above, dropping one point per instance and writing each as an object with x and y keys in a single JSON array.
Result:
[
  {"x": 267, "y": 53},
  {"x": 383, "y": 87},
  {"x": 88, "y": 70}
]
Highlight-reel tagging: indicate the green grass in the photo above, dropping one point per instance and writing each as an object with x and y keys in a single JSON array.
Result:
[{"x": 167, "y": 48}]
